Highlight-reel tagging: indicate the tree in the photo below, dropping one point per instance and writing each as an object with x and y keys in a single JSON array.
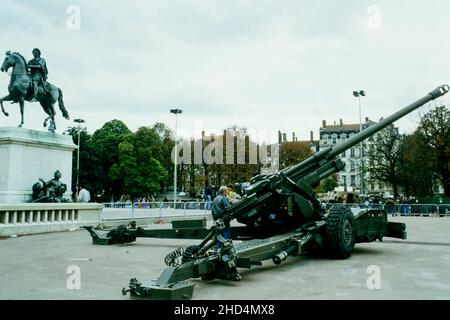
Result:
[
  {"x": 232, "y": 153},
  {"x": 434, "y": 129},
  {"x": 291, "y": 153},
  {"x": 136, "y": 177},
  {"x": 116, "y": 161},
  {"x": 328, "y": 184},
  {"x": 167, "y": 140},
  {"x": 232, "y": 171},
  {"x": 90, "y": 170},
  {"x": 166, "y": 144},
  {"x": 383, "y": 157},
  {"x": 415, "y": 166},
  {"x": 105, "y": 143},
  {"x": 150, "y": 151}
]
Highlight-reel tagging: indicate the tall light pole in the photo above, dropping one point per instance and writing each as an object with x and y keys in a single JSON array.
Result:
[
  {"x": 176, "y": 112},
  {"x": 360, "y": 94},
  {"x": 79, "y": 121}
]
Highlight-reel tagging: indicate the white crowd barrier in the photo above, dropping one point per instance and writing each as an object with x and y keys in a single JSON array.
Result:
[
  {"x": 159, "y": 209},
  {"x": 144, "y": 210}
]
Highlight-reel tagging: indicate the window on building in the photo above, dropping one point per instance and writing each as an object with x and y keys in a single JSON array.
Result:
[
  {"x": 352, "y": 152},
  {"x": 334, "y": 139},
  {"x": 343, "y": 154},
  {"x": 353, "y": 181},
  {"x": 344, "y": 180},
  {"x": 352, "y": 166}
]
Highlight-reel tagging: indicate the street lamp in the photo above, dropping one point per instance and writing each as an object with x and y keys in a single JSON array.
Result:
[
  {"x": 79, "y": 121},
  {"x": 360, "y": 94},
  {"x": 176, "y": 112}
]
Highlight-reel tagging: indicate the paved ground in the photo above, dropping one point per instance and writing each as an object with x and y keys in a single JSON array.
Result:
[{"x": 35, "y": 267}]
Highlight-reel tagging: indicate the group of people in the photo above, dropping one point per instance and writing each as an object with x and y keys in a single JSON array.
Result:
[
  {"x": 143, "y": 202},
  {"x": 232, "y": 195}
]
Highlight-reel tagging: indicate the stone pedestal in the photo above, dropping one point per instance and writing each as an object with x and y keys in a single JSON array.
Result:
[{"x": 27, "y": 155}]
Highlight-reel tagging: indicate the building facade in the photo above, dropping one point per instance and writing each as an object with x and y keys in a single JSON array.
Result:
[{"x": 350, "y": 178}]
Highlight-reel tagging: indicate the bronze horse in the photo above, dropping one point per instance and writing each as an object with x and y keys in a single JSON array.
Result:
[{"x": 21, "y": 89}]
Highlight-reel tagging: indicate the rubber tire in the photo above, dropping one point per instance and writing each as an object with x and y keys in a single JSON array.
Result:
[
  {"x": 188, "y": 253},
  {"x": 337, "y": 240}
]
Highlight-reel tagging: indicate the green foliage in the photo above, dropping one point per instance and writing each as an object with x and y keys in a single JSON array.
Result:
[
  {"x": 116, "y": 161},
  {"x": 105, "y": 144},
  {"x": 293, "y": 152},
  {"x": 414, "y": 161},
  {"x": 328, "y": 184},
  {"x": 383, "y": 158},
  {"x": 166, "y": 136},
  {"x": 231, "y": 171},
  {"x": 195, "y": 177},
  {"x": 90, "y": 173},
  {"x": 138, "y": 171},
  {"x": 434, "y": 130},
  {"x": 416, "y": 166}
]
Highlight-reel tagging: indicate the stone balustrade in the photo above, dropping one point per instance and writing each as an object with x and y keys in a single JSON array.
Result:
[{"x": 30, "y": 218}]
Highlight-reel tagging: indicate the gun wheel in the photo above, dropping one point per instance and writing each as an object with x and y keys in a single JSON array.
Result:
[{"x": 339, "y": 235}]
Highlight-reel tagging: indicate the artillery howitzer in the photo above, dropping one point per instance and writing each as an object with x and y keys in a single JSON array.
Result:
[{"x": 282, "y": 217}]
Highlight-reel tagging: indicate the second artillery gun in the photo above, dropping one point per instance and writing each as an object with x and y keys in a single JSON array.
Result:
[{"x": 281, "y": 216}]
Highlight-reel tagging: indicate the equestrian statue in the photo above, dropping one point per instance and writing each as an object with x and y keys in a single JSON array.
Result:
[{"x": 29, "y": 83}]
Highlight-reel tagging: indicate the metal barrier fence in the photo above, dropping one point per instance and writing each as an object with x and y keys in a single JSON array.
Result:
[
  {"x": 143, "y": 210},
  {"x": 404, "y": 209}
]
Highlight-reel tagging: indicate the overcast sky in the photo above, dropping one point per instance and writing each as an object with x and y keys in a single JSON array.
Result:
[{"x": 263, "y": 65}]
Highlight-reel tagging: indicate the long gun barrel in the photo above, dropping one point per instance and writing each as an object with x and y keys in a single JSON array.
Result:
[
  {"x": 438, "y": 92},
  {"x": 312, "y": 163}
]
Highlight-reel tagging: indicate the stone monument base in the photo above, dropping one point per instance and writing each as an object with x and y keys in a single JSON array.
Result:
[{"x": 27, "y": 155}]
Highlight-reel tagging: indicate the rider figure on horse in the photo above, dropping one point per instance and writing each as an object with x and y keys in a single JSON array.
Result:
[{"x": 38, "y": 71}]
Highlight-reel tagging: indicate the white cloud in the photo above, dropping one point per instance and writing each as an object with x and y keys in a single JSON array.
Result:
[{"x": 259, "y": 64}]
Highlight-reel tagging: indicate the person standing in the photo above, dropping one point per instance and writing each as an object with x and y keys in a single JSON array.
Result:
[
  {"x": 219, "y": 204},
  {"x": 84, "y": 195},
  {"x": 208, "y": 196}
]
